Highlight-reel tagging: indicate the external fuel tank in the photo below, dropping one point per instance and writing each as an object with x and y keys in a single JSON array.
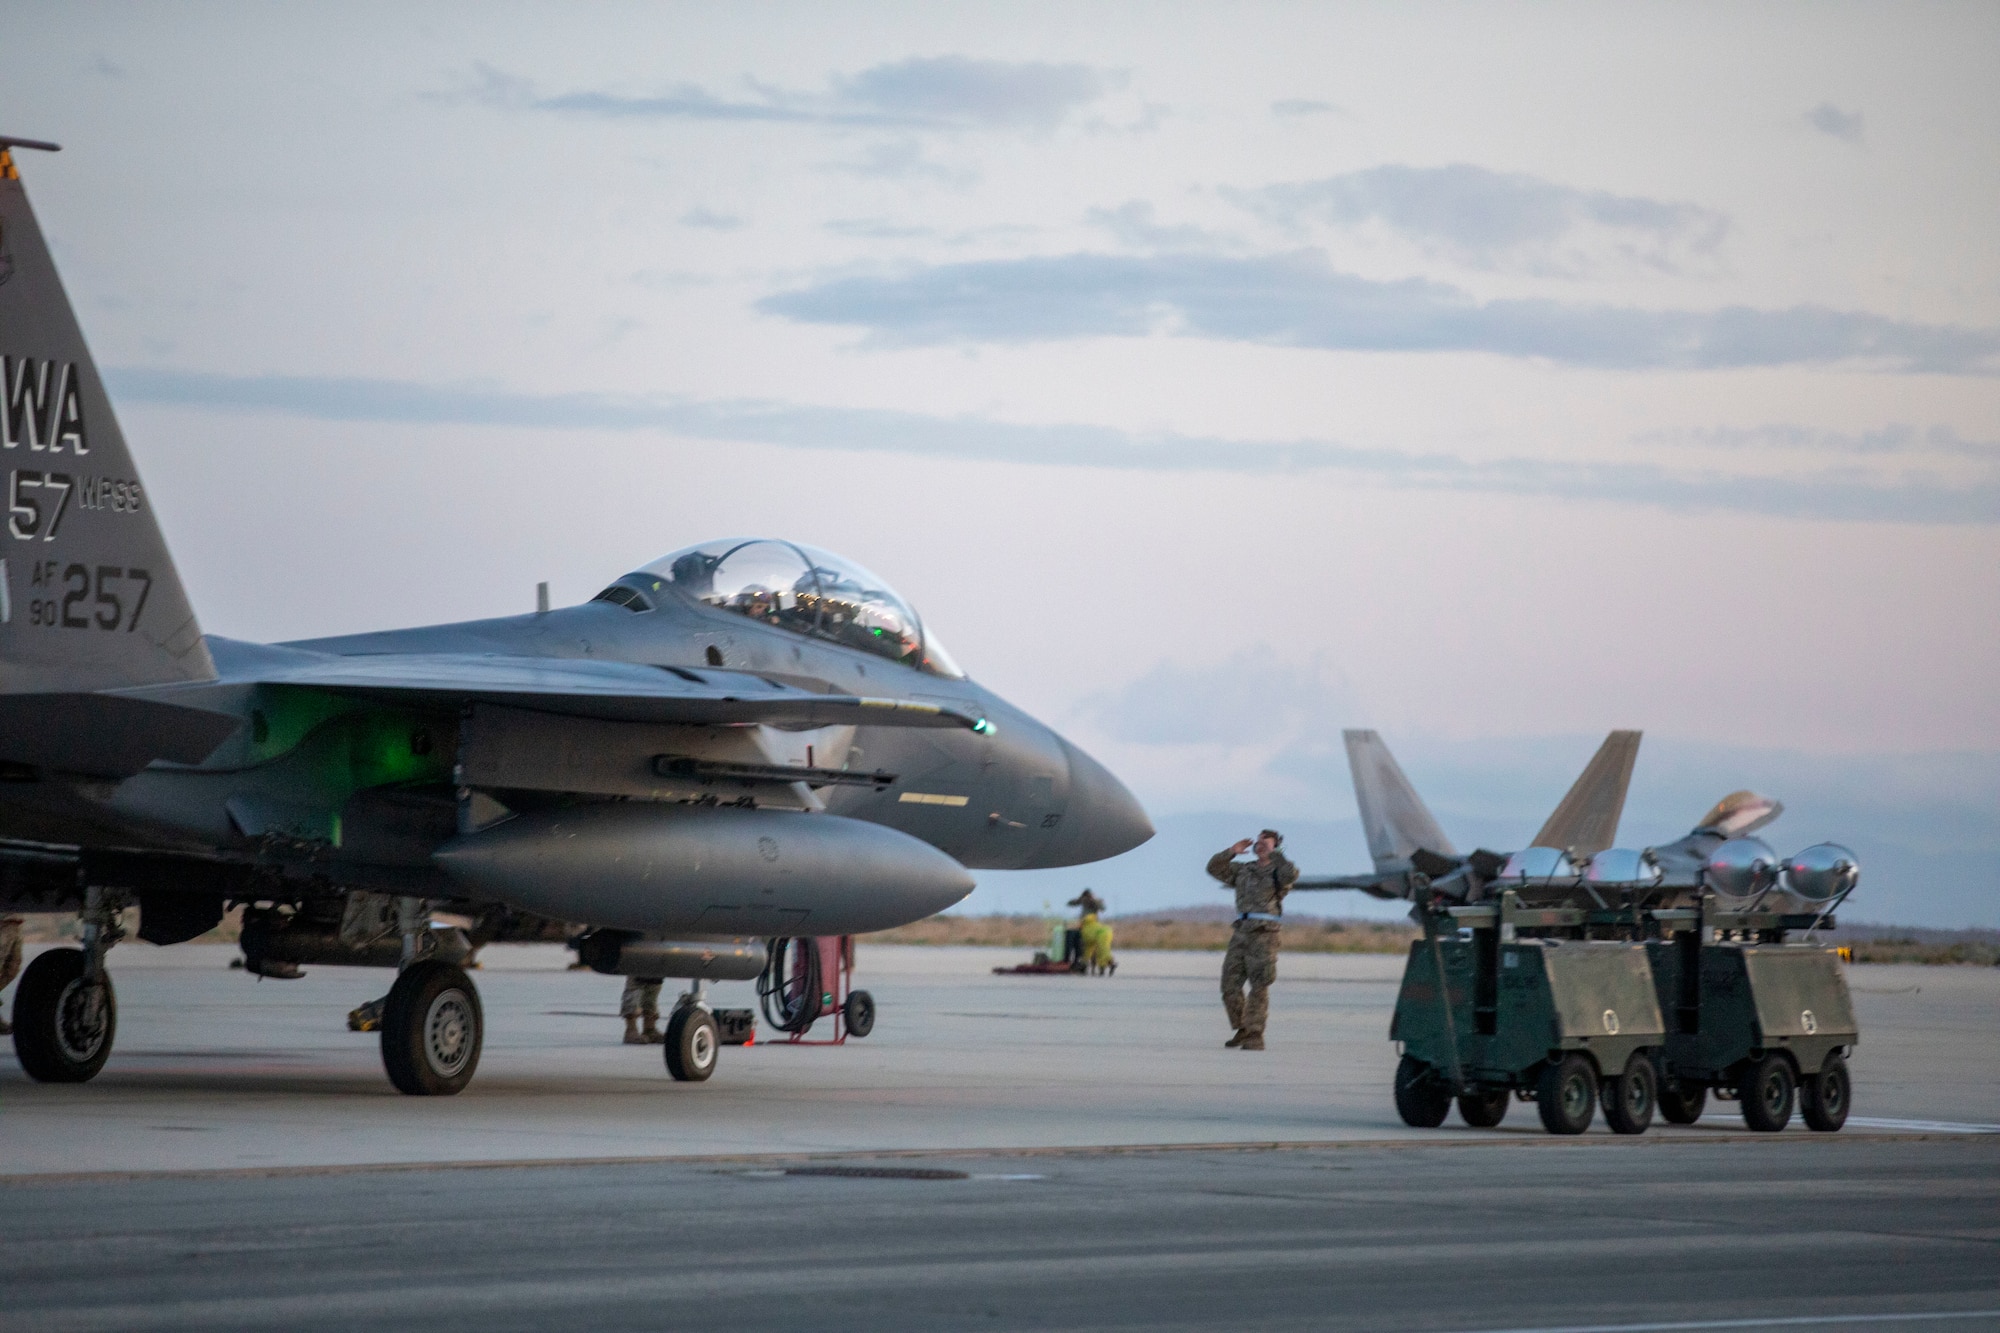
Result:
[{"x": 636, "y": 865}]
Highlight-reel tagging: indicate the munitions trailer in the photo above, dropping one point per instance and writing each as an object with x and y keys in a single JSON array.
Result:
[
  {"x": 1751, "y": 1017},
  {"x": 1620, "y": 1005}
]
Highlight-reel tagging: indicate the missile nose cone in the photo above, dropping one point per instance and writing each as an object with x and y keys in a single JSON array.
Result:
[{"x": 1103, "y": 818}]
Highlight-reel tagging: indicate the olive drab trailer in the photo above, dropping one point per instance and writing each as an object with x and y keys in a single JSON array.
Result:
[
  {"x": 1752, "y": 1017},
  {"x": 1526, "y": 1017},
  {"x": 1576, "y": 975}
]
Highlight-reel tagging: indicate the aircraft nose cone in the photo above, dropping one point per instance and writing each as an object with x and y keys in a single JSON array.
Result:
[{"x": 1102, "y": 819}]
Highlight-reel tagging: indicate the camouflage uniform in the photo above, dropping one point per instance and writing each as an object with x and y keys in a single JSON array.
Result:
[
  {"x": 640, "y": 1000},
  {"x": 1252, "y": 959},
  {"x": 10, "y": 957}
]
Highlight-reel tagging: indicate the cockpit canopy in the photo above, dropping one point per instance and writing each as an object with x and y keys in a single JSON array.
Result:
[{"x": 797, "y": 588}]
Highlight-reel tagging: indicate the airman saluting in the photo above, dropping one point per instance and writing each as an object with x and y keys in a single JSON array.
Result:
[{"x": 1252, "y": 959}]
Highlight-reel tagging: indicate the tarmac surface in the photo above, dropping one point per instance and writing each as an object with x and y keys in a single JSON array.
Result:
[
  {"x": 1791, "y": 1233},
  {"x": 1003, "y": 1151}
]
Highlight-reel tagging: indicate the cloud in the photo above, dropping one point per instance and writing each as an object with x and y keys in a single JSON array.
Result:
[
  {"x": 1498, "y": 220},
  {"x": 924, "y": 93},
  {"x": 904, "y": 159},
  {"x": 1891, "y": 440},
  {"x": 1135, "y": 224},
  {"x": 712, "y": 221},
  {"x": 1253, "y": 697},
  {"x": 882, "y": 229},
  {"x": 1827, "y": 494},
  {"x": 1300, "y": 106},
  {"x": 875, "y": 229},
  {"x": 511, "y": 92},
  {"x": 989, "y": 94},
  {"x": 1299, "y": 300},
  {"x": 1829, "y": 119}
]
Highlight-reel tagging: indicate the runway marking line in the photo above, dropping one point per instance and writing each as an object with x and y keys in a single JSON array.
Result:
[
  {"x": 1786, "y": 1321},
  {"x": 1473, "y": 1139},
  {"x": 1923, "y": 1126}
]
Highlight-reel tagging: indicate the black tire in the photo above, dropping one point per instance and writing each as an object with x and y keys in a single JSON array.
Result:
[
  {"x": 1567, "y": 1095},
  {"x": 63, "y": 1025},
  {"x": 859, "y": 1011},
  {"x": 1824, "y": 1097},
  {"x": 693, "y": 1044},
  {"x": 1484, "y": 1108},
  {"x": 432, "y": 1030},
  {"x": 1423, "y": 1098},
  {"x": 1630, "y": 1098},
  {"x": 1681, "y": 1100},
  {"x": 1767, "y": 1092}
]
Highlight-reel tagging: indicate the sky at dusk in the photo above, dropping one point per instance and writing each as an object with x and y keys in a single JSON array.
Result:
[{"x": 1212, "y": 377}]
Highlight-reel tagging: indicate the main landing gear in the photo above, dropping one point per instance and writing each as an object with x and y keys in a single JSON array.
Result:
[
  {"x": 432, "y": 1024},
  {"x": 65, "y": 1011},
  {"x": 63, "y": 1020},
  {"x": 432, "y": 1030}
]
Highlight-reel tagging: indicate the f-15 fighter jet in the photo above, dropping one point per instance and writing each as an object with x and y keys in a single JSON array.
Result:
[{"x": 744, "y": 739}]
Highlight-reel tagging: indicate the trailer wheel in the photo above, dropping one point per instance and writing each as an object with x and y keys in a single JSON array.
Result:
[
  {"x": 1484, "y": 1108},
  {"x": 692, "y": 1044},
  {"x": 1823, "y": 1097},
  {"x": 1767, "y": 1091},
  {"x": 1567, "y": 1095},
  {"x": 63, "y": 1025},
  {"x": 1682, "y": 1100},
  {"x": 859, "y": 1011},
  {"x": 1423, "y": 1098},
  {"x": 1629, "y": 1099}
]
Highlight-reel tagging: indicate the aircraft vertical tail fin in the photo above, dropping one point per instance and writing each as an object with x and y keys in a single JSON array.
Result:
[
  {"x": 1585, "y": 821},
  {"x": 1394, "y": 818},
  {"x": 89, "y": 598}
]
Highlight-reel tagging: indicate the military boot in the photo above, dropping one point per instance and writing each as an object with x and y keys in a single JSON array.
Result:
[
  {"x": 1252, "y": 1041},
  {"x": 1237, "y": 1040},
  {"x": 652, "y": 1036},
  {"x": 632, "y": 1037}
]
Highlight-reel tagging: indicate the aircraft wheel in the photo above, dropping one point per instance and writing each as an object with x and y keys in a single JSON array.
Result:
[
  {"x": 692, "y": 1044},
  {"x": 1629, "y": 1099},
  {"x": 1484, "y": 1108},
  {"x": 1682, "y": 1100},
  {"x": 1423, "y": 1098},
  {"x": 859, "y": 1013},
  {"x": 63, "y": 1025},
  {"x": 1567, "y": 1095},
  {"x": 432, "y": 1030},
  {"x": 1823, "y": 1097},
  {"x": 1767, "y": 1093}
]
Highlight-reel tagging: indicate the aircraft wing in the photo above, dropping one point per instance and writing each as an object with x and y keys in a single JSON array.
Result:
[
  {"x": 1381, "y": 884},
  {"x": 612, "y": 691}
]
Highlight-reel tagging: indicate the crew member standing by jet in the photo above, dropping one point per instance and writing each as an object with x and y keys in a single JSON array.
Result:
[
  {"x": 641, "y": 1000},
  {"x": 10, "y": 959},
  {"x": 1252, "y": 959}
]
